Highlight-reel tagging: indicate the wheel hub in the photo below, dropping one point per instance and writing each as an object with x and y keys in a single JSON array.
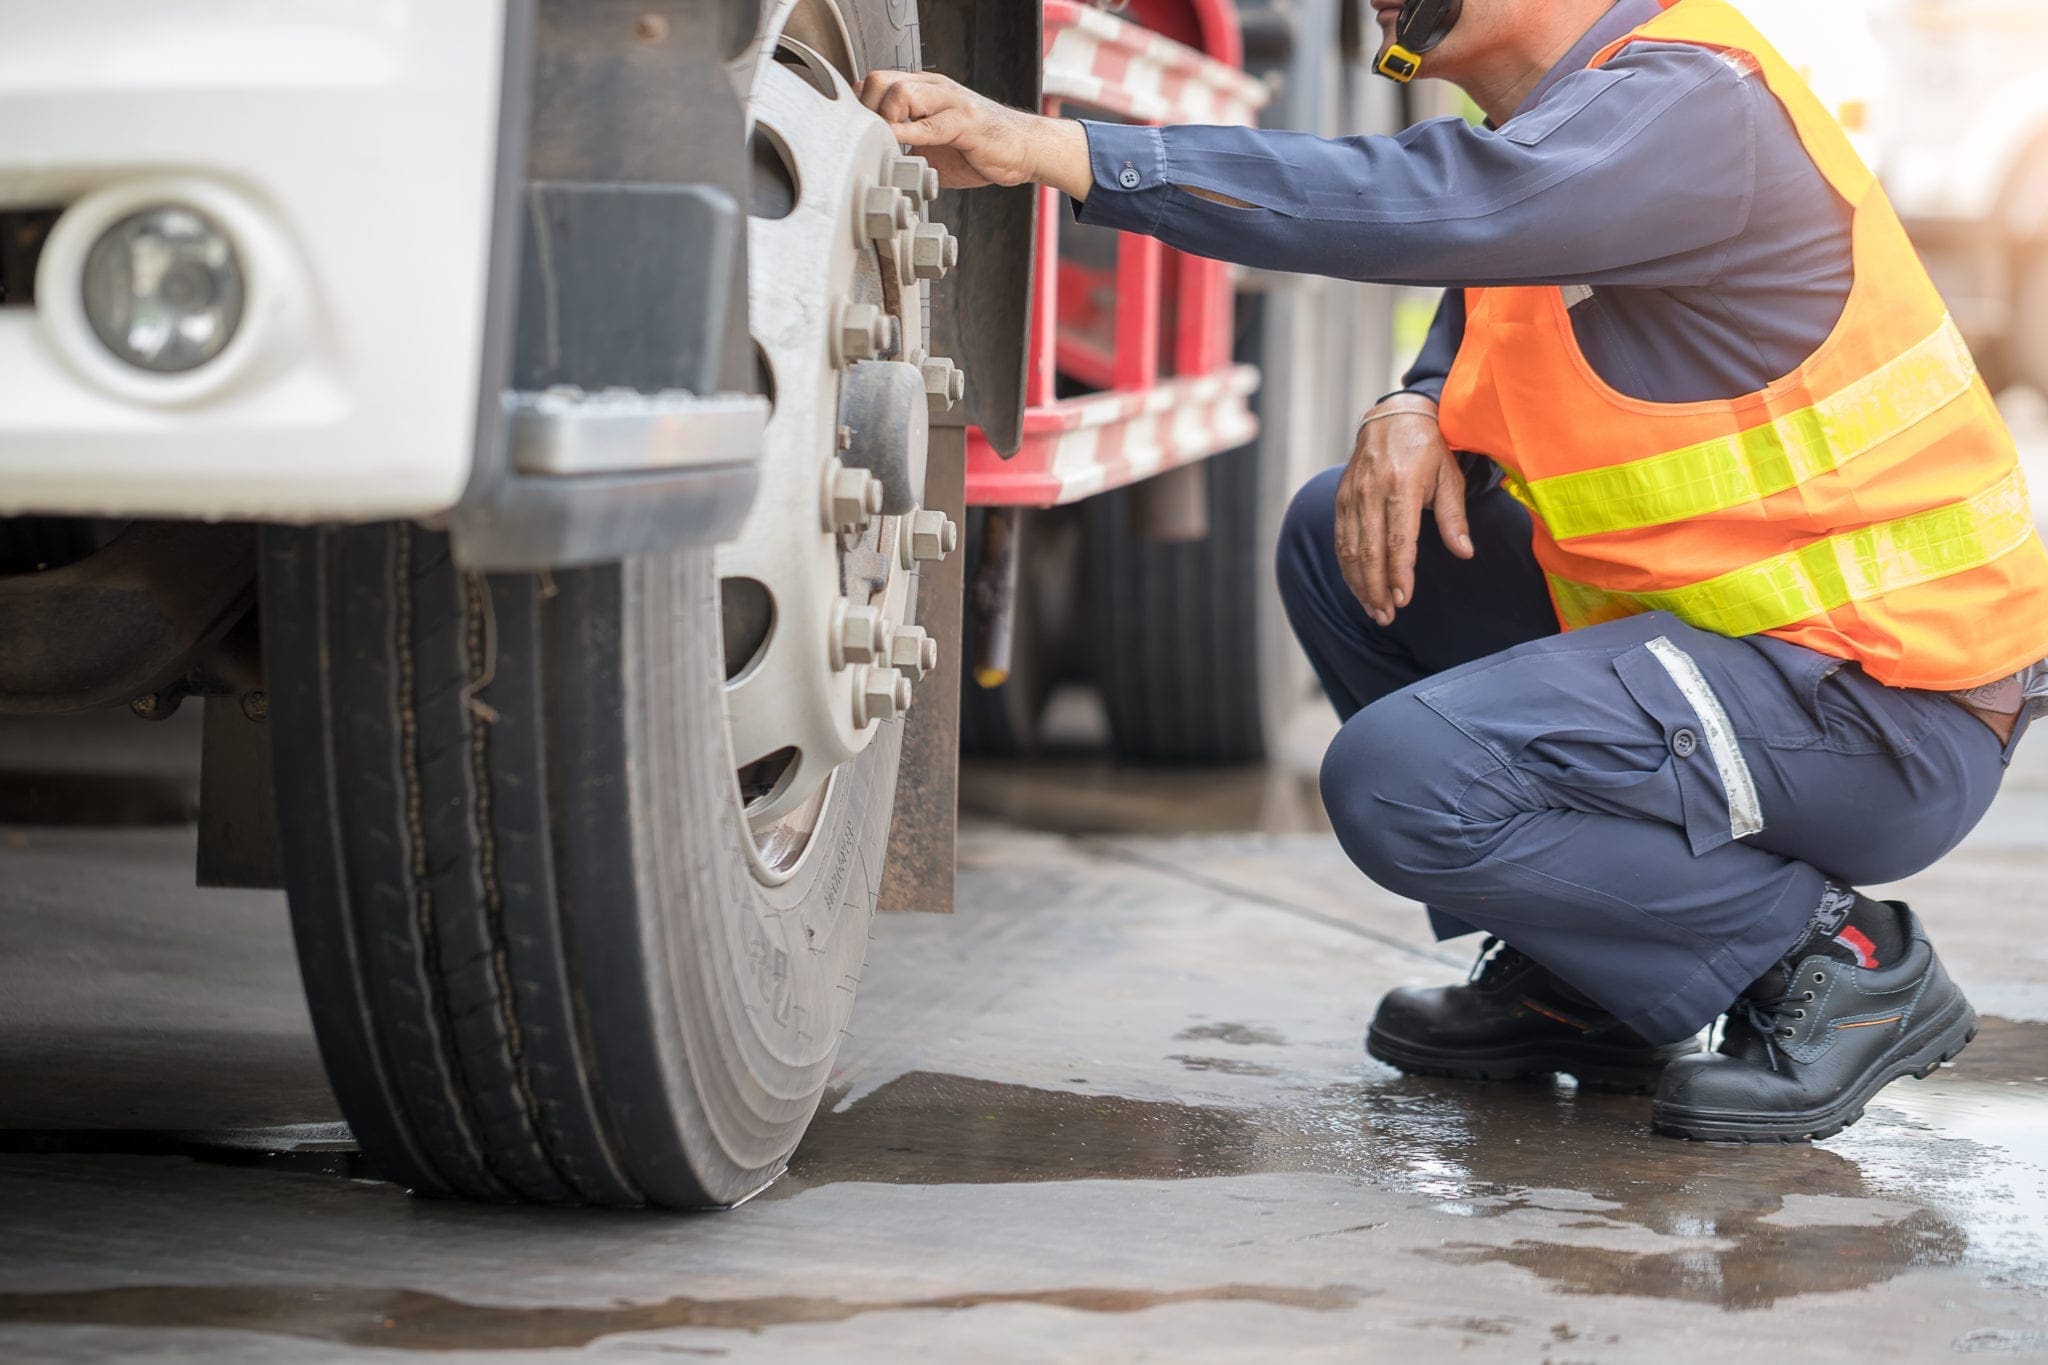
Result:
[{"x": 830, "y": 551}]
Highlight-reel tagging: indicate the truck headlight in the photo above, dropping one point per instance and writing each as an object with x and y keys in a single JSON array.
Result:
[{"x": 163, "y": 289}]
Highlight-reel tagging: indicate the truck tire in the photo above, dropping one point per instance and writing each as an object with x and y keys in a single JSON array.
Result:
[
  {"x": 1193, "y": 655},
  {"x": 540, "y": 965},
  {"x": 558, "y": 945},
  {"x": 1177, "y": 628}
]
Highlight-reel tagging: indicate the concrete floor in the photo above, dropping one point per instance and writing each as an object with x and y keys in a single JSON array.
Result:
[{"x": 1114, "y": 1109}]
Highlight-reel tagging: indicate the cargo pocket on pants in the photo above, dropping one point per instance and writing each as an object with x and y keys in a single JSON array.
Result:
[{"x": 1715, "y": 785}]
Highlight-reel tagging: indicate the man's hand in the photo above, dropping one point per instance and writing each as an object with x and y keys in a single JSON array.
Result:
[
  {"x": 973, "y": 141},
  {"x": 1400, "y": 466}
]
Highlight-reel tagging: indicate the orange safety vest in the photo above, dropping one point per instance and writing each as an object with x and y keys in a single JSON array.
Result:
[{"x": 1870, "y": 505}]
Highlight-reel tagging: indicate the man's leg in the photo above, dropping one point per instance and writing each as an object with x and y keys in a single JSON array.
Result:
[
  {"x": 1513, "y": 1018},
  {"x": 1463, "y": 609},
  {"x": 1653, "y": 813}
]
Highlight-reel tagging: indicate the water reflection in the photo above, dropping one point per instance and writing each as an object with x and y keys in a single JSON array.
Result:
[{"x": 1569, "y": 1186}]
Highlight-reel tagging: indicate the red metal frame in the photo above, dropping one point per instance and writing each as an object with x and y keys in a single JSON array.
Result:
[{"x": 1156, "y": 406}]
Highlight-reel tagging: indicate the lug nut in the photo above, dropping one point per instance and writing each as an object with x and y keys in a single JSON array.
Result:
[
  {"x": 853, "y": 497},
  {"x": 859, "y": 635},
  {"x": 944, "y": 384},
  {"x": 913, "y": 652},
  {"x": 864, "y": 332},
  {"x": 879, "y": 694},
  {"x": 934, "y": 251},
  {"x": 933, "y": 536},
  {"x": 914, "y": 176},
  {"x": 885, "y": 211}
]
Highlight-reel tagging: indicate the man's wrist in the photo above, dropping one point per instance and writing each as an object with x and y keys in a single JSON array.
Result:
[
  {"x": 1059, "y": 156},
  {"x": 1406, "y": 400}
]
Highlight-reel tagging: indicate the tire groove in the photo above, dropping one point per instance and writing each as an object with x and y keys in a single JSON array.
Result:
[
  {"x": 450, "y": 1068},
  {"x": 479, "y": 647}
]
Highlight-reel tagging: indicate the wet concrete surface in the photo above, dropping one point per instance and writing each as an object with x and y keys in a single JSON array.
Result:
[{"x": 1114, "y": 1109}]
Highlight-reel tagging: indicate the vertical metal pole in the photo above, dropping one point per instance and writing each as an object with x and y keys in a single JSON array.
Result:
[{"x": 1139, "y": 265}]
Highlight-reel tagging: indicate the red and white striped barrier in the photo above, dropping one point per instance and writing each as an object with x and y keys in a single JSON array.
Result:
[
  {"x": 1169, "y": 400},
  {"x": 1097, "y": 59},
  {"x": 1084, "y": 446}
]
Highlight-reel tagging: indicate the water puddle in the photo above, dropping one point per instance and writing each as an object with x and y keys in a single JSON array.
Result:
[
  {"x": 406, "y": 1320},
  {"x": 1237, "y": 1035},
  {"x": 1228, "y": 1066},
  {"x": 1569, "y": 1186}
]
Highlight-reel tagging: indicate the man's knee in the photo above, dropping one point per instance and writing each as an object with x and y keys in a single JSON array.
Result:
[
  {"x": 1307, "y": 553},
  {"x": 1390, "y": 784}
]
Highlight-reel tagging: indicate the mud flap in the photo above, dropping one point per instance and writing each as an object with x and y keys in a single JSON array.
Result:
[{"x": 918, "y": 874}]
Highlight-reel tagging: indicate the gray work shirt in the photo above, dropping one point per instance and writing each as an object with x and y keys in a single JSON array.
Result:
[{"x": 1668, "y": 191}]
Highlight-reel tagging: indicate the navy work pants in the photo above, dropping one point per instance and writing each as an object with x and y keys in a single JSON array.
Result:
[{"x": 1649, "y": 810}]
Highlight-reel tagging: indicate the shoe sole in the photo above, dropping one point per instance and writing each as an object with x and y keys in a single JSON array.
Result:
[
  {"x": 1417, "y": 1059},
  {"x": 1917, "y": 1056}
]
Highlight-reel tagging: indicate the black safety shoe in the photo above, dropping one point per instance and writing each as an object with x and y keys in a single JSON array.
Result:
[
  {"x": 1514, "y": 1021},
  {"x": 1807, "y": 1047}
]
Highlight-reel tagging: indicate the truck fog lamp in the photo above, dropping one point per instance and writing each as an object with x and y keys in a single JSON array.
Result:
[{"x": 163, "y": 289}]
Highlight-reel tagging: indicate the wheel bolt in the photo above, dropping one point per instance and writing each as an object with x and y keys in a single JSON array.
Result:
[
  {"x": 933, "y": 536},
  {"x": 933, "y": 251},
  {"x": 879, "y": 694},
  {"x": 885, "y": 211},
  {"x": 914, "y": 176},
  {"x": 913, "y": 652},
  {"x": 864, "y": 332},
  {"x": 944, "y": 384},
  {"x": 853, "y": 497},
  {"x": 859, "y": 635}
]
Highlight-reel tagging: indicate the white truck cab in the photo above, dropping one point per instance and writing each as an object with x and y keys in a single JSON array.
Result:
[{"x": 249, "y": 254}]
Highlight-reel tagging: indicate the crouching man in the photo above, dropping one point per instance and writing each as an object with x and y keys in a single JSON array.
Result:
[{"x": 1691, "y": 582}]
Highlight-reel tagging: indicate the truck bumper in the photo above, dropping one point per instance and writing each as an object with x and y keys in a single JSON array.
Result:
[{"x": 350, "y": 152}]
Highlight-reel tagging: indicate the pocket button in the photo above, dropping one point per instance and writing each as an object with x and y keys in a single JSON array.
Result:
[{"x": 1684, "y": 743}]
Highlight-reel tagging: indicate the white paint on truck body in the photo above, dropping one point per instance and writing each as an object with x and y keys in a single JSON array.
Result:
[{"x": 349, "y": 147}]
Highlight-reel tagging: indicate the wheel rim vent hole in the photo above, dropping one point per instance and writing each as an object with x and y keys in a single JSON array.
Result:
[
  {"x": 772, "y": 184},
  {"x": 807, "y": 64},
  {"x": 747, "y": 613},
  {"x": 759, "y": 779}
]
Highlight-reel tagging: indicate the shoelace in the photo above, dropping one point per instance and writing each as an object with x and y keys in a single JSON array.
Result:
[{"x": 1766, "y": 1018}]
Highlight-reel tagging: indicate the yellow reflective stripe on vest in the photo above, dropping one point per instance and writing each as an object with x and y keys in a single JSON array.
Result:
[
  {"x": 1730, "y": 471},
  {"x": 1855, "y": 566}
]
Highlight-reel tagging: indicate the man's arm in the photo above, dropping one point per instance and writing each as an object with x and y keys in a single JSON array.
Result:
[{"x": 1637, "y": 173}]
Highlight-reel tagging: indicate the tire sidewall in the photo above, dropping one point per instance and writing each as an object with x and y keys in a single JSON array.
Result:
[{"x": 758, "y": 978}]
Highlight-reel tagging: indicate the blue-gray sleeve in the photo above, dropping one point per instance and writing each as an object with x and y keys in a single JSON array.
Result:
[
  {"x": 1439, "y": 350},
  {"x": 1638, "y": 173}
]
